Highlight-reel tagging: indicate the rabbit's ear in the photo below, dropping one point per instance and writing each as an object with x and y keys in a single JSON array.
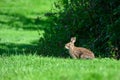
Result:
[{"x": 73, "y": 39}]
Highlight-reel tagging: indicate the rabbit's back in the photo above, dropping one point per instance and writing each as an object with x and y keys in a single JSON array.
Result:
[{"x": 81, "y": 52}]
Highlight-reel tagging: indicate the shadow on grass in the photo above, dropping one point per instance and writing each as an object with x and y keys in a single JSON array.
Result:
[
  {"x": 52, "y": 44},
  {"x": 11, "y": 48},
  {"x": 19, "y": 21}
]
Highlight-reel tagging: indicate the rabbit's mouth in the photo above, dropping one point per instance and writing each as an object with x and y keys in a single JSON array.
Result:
[{"x": 66, "y": 47}]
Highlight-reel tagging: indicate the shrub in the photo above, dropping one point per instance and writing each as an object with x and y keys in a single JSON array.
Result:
[{"x": 95, "y": 23}]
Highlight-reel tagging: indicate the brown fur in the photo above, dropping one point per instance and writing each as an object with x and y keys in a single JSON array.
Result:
[{"x": 78, "y": 52}]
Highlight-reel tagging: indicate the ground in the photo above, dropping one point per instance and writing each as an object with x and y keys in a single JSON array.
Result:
[{"x": 21, "y": 27}]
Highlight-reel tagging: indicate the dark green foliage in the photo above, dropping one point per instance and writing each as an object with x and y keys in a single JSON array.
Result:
[
  {"x": 52, "y": 44},
  {"x": 94, "y": 22}
]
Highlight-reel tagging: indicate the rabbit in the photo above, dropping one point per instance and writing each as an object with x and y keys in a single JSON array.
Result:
[{"x": 78, "y": 52}]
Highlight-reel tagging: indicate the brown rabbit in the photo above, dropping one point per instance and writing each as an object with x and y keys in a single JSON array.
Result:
[{"x": 78, "y": 52}]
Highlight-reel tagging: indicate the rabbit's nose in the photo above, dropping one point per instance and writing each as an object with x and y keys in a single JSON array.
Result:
[{"x": 66, "y": 47}]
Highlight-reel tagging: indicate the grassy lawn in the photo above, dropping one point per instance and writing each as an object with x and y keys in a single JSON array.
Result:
[
  {"x": 33, "y": 67},
  {"x": 19, "y": 34},
  {"x": 22, "y": 23},
  {"x": 18, "y": 19}
]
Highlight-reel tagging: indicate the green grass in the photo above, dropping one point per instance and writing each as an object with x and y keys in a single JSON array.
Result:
[
  {"x": 20, "y": 27},
  {"x": 19, "y": 34},
  {"x": 33, "y": 67},
  {"x": 27, "y": 7}
]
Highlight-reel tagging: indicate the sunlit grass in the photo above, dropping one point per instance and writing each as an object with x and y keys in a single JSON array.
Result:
[
  {"x": 33, "y": 67},
  {"x": 26, "y": 6},
  {"x": 19, "y": 36},
  {"x": 20, "y": 28},
  {"x": 16, "y": 15},
  {"x": 19, "y": 33}
]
